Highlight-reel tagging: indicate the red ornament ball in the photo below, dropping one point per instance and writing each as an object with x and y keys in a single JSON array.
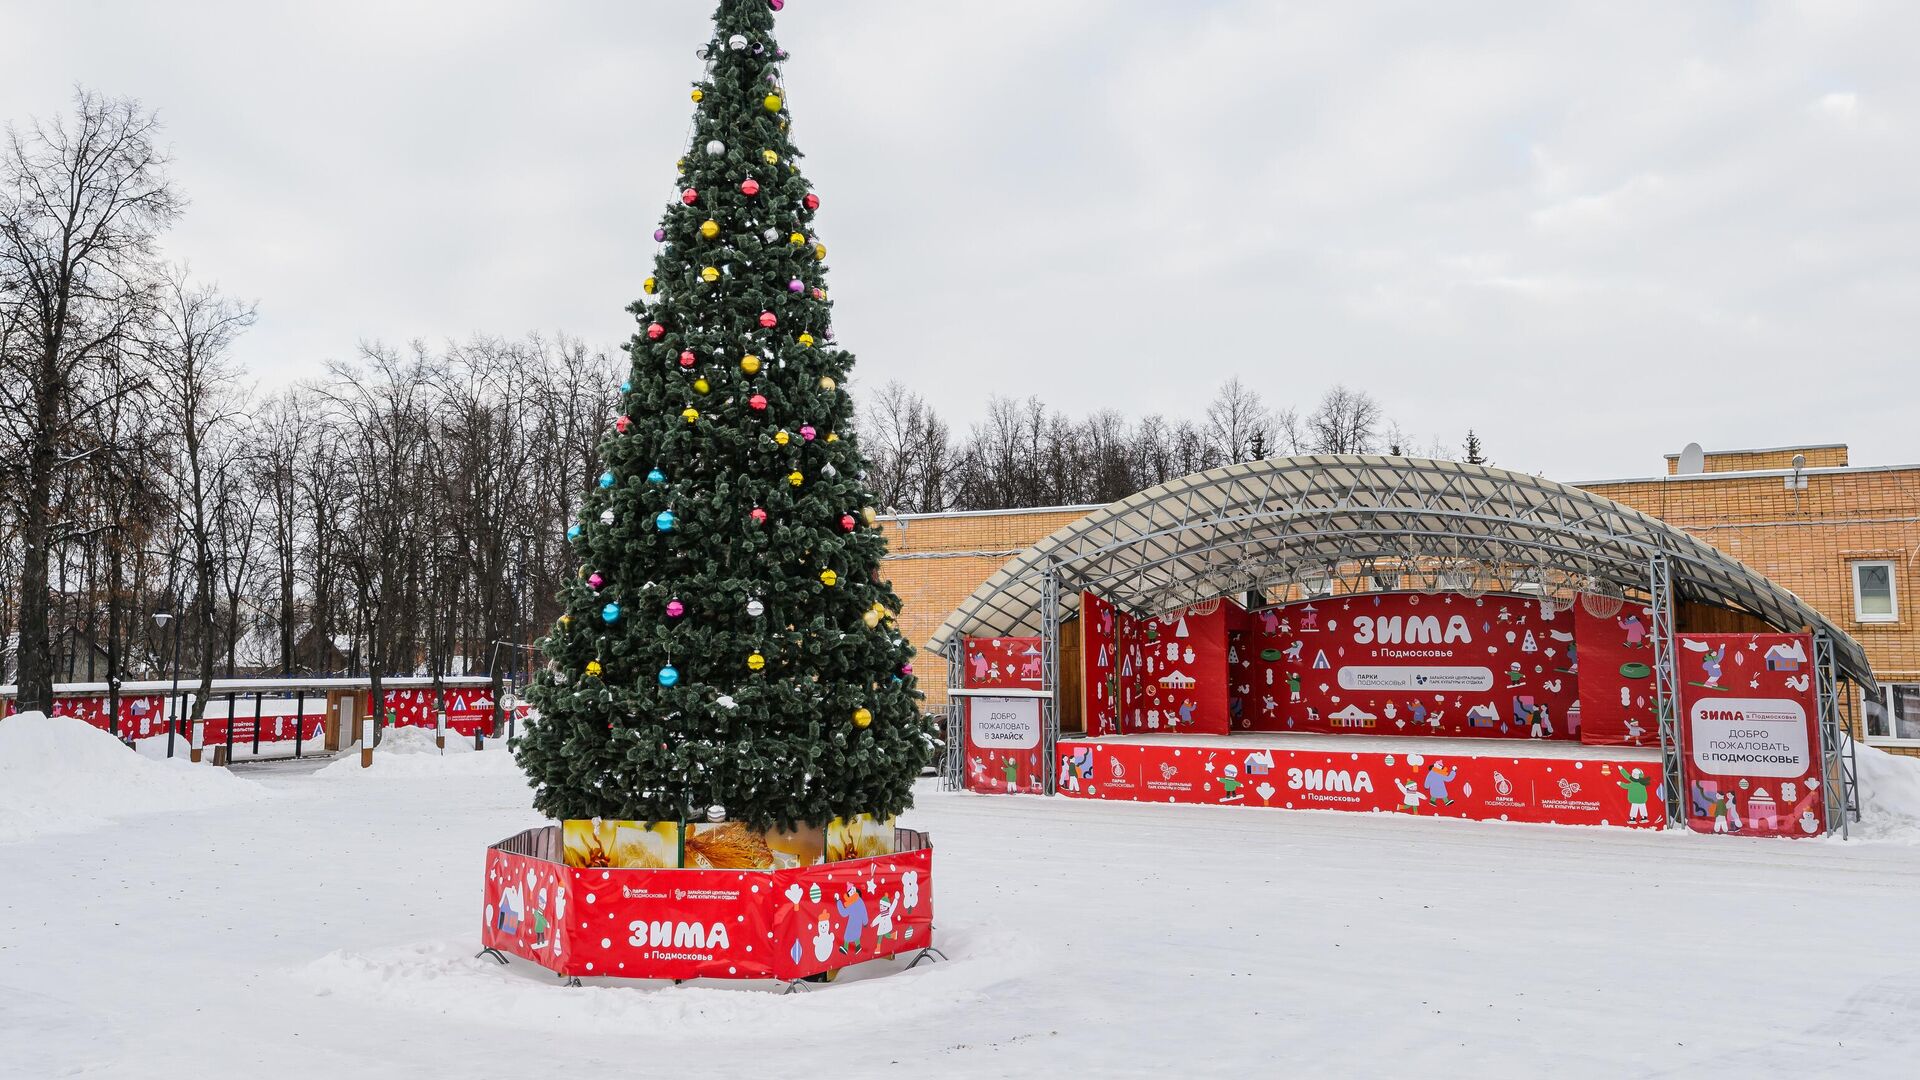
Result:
[
  {"x": 690, "y": 196},
  {"x": 622, "y": 424},
  {"x": 812, "y": 201},
  {"x": 686, "y": 358},
  {"x": 759, "y": 402},
  {"x": 655, "y": 331},
  {"x": 749, "y": 186},
  {"x": 759, "y": 516},
  {"x": 769, "y": 320},
  {"x": 846, "y": 522}
]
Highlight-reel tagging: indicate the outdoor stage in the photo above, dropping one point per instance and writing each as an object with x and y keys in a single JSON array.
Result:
[{"x": 1557, "y": 783}]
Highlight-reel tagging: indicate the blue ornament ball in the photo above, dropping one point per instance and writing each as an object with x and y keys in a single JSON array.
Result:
[
  {"x": 573, "y": 532},
  {"x": 610, "y": 613},
  {"x": 664, "y": 521},
  {"x": 606, "y": 479},
  {"x": 669, "y": 675},
  {"x": 626, "y": 387},
  {"x": 656, "y": 477}
]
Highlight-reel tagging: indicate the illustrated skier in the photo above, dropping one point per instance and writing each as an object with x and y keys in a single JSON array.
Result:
[
  {"x": 1230, "y": 783},
  {"x": 1710, "y": 663},
  {"x": 1437, "y": 781},
  {"x": 1635, "y": 785},
  {"x": 854, "y": 908}
]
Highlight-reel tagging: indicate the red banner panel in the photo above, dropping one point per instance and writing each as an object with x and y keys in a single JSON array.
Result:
[
  {"x": 469, "y": 708},
  {"x": 1409, "y": 664},
  {"x": 1615, "y": 662},
  {"x": 1099, "y": 666},
  {"x": 1554, "y": 791},
  {"x": 834, "y": 914},
  {"x": 1004, "y": 745},
  {"x": 526, "y": 898},
  {"x": 1177, "y": 663},
  {"x": 1750, "y": 717},
  {"x": 141, "y": 715},
  {"x": 1003, "y": 663}
]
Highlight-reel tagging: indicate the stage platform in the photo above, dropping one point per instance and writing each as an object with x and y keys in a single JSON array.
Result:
[{"x": 1531, "y": 780}]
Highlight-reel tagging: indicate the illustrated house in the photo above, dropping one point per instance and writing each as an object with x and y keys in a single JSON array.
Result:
[
  {"x": 1787, "y": 656},
  {"x": 1178, "y": 680},
  {"x": 1353, "y": 716},
  {"x": 1481, "y": 716}
]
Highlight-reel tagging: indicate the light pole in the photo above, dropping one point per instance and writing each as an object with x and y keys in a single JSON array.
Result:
[{"x": 161, "y": 619}]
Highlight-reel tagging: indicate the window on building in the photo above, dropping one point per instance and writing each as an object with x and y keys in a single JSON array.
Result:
[
  {"x": 1874, "y": 599},
  {"x": 1893, "y": 714}
]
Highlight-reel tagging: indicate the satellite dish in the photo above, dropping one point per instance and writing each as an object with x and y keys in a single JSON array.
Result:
[
  {"x": 1799, "y": 462},
  {"x": 1693, "y": 459}
]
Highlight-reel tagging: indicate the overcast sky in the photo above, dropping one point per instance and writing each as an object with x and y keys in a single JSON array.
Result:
[{"x": 1593, "y": 232}]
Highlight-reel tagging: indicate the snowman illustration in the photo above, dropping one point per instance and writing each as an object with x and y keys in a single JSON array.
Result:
[{"x": 823, "y": 940}]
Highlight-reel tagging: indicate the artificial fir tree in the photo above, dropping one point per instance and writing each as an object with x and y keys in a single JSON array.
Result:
[{"x": 728, "y": 641}]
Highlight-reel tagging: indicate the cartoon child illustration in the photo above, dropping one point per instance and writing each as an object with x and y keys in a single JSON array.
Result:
[
  {"x": 1710, "y": 663},
  {"x": 1635, "y": 784},
  {"x": 540, "y": 921},
  {"x": 1410, "y": 796},
  {"x": 979, "y": 663},
  {"x": 1636, "y": 630},
  {"x": 1573, "y": 658},
  {"x": 1230, "y": 783},
  {"x": 883, "y": 922},
  {"x": 1292, "y": 655},
  {"x": 1293, "y": 687},
  {"x": 854, "y": 908},
  {"x": 1635, "y": 731},
  {"x": 1011, "y": 769},
  {"x": 1718, "y": 804},
  {"x": 1437, "y": 781},
  {"x": 1419, "y": 712},
  {"x": 823, "y": 940}
]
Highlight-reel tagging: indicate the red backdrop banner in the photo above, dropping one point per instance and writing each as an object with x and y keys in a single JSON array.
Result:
[
  {"x": 1177, "y": 663},
  {"x": 1617, "y": 700},
  {"x": 1555, "y": 791},
  {"x": 1408, "y": 664},
  {"x": 1099, "y": 666},
  {"x": 1002, "y": 663},
  {"x": 1003, "y": 734},
  {"x": 1750, "y": 724}
]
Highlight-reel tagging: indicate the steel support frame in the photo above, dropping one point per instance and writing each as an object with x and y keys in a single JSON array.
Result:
[
  {"x": 952, "y": 772},
  {"x": 1050, "y": 679},
  {"x": 1666, "y": 684},
  {"x": 1842, "y": 786}
]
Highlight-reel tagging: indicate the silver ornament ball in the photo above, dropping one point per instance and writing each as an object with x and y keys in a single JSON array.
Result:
[
  {"x": 716, "y": 148},
  {"x": 737, "y": 42},
  {"x": 606, "y": 517},
  {"x": 716, "y": 812},
  {"x": 755, "y": 608}
]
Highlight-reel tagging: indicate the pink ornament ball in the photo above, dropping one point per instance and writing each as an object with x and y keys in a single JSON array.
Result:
[
  {"x": 769, "y": 320},
  {"x": 749, "y": 187},
  {"x": 655, "y": 331},
  {"x": 621, "y": 425},
  {"x": 594, "y": 580},
  {"x": 659, "y": 235},
  {"x": 686, "y": 358},
  {"x": 846, "y": 522},
  {"x": 690, "y": 196},
  {"x": 776, "y": 4},
  {"x": 807, "y": 432},
  {"x": 759, "y": 402},
  {"x": 759, "y": 516},
  {"x": 906, "y": 668},
  {"x": 675, "y": 609},
  {"x": 796, "y": 285}
]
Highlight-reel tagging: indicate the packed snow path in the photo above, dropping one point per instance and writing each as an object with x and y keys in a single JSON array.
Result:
[{"x": 328, "y": 930}]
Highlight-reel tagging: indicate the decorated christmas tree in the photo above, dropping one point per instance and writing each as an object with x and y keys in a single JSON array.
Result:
[{"x": 728, "y": 641}]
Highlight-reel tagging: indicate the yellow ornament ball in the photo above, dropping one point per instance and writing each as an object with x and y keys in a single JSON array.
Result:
[
  {"x": 755, "y": 662},
  {"x": 772, "y": 102},
  {"x": 782, "y": 438},
  {"x": 806, "y": 341},
  {"x": 868, "y": 515},
  {"x": 698, "y": 94},
  {"x": 749, "y": 363},
  {"x": 831, "y": 437},
  {"x": 566, "y": 620},
  {"x": 769, "y": 157},
  {"x": 871, "y": 618},
  {"x": 709, "y": 274},
  {"x": 709, "y": 228},
  {"x": 593, "y": 668},
  {"x": 796, "y": 239},
  {"x": 820, "y": 251},
  {"x": 862, "y": 717},
  {"x": 648, "y": 286},
  {"x": 700, "y": 386},
  {"x": 795, "y": 478},
  {"x": 827, "y": 383},
  {"x": 828, "y": 577},
  {"x": 690, "y": 414}
]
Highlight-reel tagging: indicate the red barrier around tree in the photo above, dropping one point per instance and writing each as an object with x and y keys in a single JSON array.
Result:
[
  {"x": 1555, "y": 791},
  {"x": 683, "y": 924},
  {"x": 1750, "y": 716}
]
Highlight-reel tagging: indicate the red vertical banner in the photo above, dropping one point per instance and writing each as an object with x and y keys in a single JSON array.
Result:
[
  {"x": 1099, "y": 666},
  {"x": 1003, "y": 736},
  {"x": 1179, "y": 673},
  {"x": 1750, "y": 721},
  {"x": 1615, "y": 664}
]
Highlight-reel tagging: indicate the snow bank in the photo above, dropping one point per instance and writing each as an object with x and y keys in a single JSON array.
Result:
[
  {"x": 1889, "y": 796},
  {"x": 409, "y": 753},
  {"x": 62, "y": 775}
]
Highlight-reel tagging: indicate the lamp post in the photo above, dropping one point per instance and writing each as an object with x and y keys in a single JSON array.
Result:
[{"x": 161, "y": 619}]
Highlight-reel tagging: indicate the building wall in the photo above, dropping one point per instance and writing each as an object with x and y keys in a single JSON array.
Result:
[{"x": 1806, "y": 540}]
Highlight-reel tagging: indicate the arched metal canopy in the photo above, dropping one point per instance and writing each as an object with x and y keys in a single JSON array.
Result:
[{"x": 1389, "y": 522}]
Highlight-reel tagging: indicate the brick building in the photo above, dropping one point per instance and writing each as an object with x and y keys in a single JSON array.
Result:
[{"x": 1844, "y": 537}]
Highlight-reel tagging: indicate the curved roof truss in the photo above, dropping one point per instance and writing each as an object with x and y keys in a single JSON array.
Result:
[{"x": 1387, "y": 522}]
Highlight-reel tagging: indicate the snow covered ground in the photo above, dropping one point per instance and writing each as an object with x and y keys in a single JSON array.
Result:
[{"x": 325, "y": 925}]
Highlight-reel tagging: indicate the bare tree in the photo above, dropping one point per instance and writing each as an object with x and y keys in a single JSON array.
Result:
[
  {"x": 909, "y": 451},
  {"x": 82, "y": 201},
  {"x": 1345, "y": 422},
  {"x": 1238, "y": 423}
]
